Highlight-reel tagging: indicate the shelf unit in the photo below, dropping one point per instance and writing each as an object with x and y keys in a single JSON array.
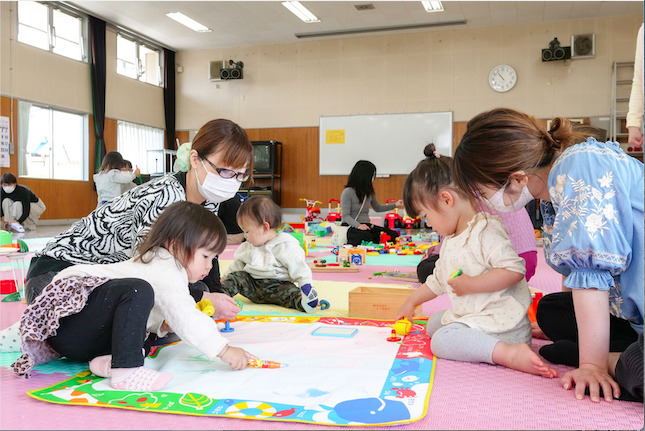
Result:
[
  {"x": 621, "y": 85},
  {"x": 267, "y": 173}
]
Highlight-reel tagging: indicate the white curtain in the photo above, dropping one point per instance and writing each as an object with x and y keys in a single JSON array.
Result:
[
  {"x": 141, "y": 145},
  {"x": 24, "y": 109}
]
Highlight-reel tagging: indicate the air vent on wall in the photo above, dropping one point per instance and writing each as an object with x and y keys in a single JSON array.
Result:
[
  {"x": 214, "y": 69},
  {"x": 364, "y": 6}
]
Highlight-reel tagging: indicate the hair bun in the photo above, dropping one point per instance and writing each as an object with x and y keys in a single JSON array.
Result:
[{"x": 430, "y": 151}]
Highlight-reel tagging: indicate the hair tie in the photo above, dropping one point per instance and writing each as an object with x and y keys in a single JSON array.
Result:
[
  {"x": 436, "y": 154},
  {"x": 182, "y": 163},
  {"x": 551, "y": 133}
]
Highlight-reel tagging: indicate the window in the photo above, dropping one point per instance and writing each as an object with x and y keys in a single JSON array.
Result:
[
  {"x": 142, "y": 146},
  {"x": 52, "y": 143},
  {"x": 138, "y": 60},
  {"x": 52, "y": 28}
]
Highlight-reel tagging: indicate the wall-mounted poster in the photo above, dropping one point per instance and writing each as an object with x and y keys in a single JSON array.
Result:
[{"x": 4, "y": 142}]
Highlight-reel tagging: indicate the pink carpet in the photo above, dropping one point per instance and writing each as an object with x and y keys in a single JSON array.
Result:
[{"x": 465, "y": 395}]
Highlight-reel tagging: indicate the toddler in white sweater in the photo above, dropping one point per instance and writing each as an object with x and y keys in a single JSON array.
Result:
[{"x": 269, "y": 264}]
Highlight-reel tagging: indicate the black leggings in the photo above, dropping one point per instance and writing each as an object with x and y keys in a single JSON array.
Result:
[
  {"x": 556, "y": 318},
  {"x": 113, "y": 321},
  {"x": 357, "y": 236}
]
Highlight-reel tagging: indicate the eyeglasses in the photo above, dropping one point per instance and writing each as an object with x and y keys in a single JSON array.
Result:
[{"x": 228, "y": 174}]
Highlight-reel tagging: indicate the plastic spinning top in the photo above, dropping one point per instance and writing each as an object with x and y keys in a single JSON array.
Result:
[
  {"x": 227, "y": 327},
  {"x": 393, "y": 338}
]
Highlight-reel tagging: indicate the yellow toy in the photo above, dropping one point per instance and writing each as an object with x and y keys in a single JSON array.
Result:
[
  {"x": 403, "y": 326},
  {"x": 206, "y": 307}
]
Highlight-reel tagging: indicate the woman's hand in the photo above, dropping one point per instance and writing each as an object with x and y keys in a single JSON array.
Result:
[
  {"x": 235, "y": 357},
  {"x": 399, "y": 204},
  {"x": 225, "y": 307},
  {"x": 592, "y": 377},
  {"x": 363, "y": 226}
]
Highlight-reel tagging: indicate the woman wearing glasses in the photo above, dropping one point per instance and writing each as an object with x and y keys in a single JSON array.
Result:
[{"x": 209, "y": 171}]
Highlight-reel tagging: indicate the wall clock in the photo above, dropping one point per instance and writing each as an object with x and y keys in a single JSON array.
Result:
[{"x": 502, "y": 78}]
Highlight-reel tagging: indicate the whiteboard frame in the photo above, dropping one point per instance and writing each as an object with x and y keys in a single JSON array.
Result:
[{"x": 411, "y": 131}]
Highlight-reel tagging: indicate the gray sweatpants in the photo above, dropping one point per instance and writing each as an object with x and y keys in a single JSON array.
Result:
[{"x": 460, "y": 342}]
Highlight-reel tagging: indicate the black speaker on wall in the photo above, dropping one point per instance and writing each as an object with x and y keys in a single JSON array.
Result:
[
  {"x": 233, "y": 72},
  {"x": 555, "y": 52}
]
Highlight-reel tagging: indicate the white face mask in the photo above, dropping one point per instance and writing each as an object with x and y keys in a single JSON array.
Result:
[
  {"x": 215, "y": 188},
  {"x": 497, "y": 200},
  {"x": 8, "y": 189}
]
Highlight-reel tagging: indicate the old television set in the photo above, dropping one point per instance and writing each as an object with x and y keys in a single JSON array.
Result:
[{"x": 265, "y": 156}]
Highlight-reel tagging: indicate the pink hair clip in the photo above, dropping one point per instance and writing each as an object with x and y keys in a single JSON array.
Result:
[{"x": 436, "y": 154}]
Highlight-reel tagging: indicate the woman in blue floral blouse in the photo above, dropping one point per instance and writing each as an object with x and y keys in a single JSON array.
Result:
[{"x": 591, "y": 197}]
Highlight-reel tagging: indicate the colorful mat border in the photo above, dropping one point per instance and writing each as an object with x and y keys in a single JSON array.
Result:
[{"x": 414, "y": 354}]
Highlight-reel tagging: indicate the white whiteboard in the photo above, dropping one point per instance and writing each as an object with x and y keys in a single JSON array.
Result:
[{"x": 393, "y": 142}]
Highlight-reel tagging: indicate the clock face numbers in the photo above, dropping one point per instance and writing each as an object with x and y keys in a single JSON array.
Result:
[{"x": 502, "y": 78}]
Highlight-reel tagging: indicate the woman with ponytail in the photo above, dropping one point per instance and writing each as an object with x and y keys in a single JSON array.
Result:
[
  {"x": 208, "y": 171},
  {"x": 591, "y": 198}
]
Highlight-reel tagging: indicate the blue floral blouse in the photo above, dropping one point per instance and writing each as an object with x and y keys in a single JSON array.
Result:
[{"x": 594, "y": 224}]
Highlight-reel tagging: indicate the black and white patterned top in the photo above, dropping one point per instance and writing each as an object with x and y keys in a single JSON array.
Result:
[{"x": 112, "y": 232}]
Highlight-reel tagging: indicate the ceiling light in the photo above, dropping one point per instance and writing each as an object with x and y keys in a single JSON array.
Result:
[
  {"x": 188, "y": 22},
  {"x": 300, "y": 11},
  {"x": 432, "y": 6}
]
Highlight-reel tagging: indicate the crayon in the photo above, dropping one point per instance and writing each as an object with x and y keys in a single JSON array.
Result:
[
  {"x": 259, "y": 363},
  {"x": 456, "y": 274}
]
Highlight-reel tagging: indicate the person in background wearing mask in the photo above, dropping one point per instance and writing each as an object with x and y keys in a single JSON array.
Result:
[
  {"x": 21, "y": 208},
  {"x": 211, "y": 171}
]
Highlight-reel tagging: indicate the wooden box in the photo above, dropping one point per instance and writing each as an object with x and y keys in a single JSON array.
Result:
[{"x": 376, "y": 302}]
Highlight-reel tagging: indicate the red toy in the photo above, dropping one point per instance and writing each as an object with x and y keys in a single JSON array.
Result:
[
  {"x": 334, "y": 216},
  {"x": 313, "y": 212},
  {"x": 393, "y": 338},
  {"x": 392, "y": 219}
]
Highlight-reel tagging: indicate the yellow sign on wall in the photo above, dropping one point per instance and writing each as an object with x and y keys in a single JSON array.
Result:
[{"x": 335, "y": 136}]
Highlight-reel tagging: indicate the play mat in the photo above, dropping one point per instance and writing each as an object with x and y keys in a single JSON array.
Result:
[{"x": 336, "y": 371}]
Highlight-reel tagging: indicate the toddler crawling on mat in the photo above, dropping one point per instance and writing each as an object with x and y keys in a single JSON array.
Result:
[{"x": 269, "y": 262}]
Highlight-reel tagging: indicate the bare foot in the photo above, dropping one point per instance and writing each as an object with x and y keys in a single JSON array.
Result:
[{"x": 520, "y": 357}]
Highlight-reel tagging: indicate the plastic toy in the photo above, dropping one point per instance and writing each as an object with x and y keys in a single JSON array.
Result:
[
  {"x": 403, "y": 326},
  {"x": 334, "y": 216},
  {"x": 324, "y": 304},
  {"x": 206, "y": 307},
  {"x": 259, "y": 363},
  {"x": 227, "y": 327},
  {"x": 393, "y": 338},
  {"x": 456, "y": 274},
  {"x": 312, "y": 211},
  {"x": 393, "y": 219}
]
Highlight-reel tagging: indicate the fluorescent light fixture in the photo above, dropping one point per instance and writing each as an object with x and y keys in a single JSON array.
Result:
[
  {"x": 188, "y": 22},
  {"x": 432, "y": 6},
  {"x": 300, "y": 11}
]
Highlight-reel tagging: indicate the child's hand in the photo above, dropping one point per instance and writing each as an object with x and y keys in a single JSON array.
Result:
[
  {"x": 235, "y": 357},
  {"x": 461, "y": 285},
  {"x": 405, "y": 310},
  {"x": 225, "y": 307}
]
